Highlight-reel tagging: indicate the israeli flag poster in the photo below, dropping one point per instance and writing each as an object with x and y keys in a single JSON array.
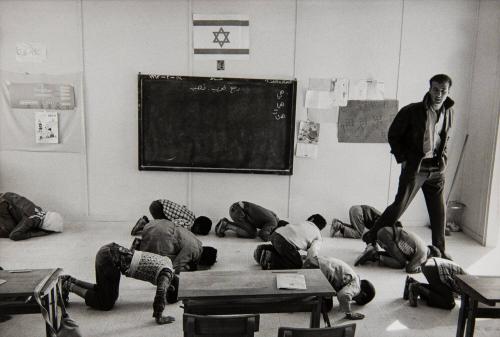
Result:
[{"x": 221, "y": 37}]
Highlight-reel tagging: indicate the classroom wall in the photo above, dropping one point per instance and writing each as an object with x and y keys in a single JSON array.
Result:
[{"x": 402, "y": 43}]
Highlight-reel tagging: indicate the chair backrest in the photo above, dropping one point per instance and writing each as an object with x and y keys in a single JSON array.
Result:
[
  {"x": 212, "y": 326},
  {"x": 346, "y": 330}
]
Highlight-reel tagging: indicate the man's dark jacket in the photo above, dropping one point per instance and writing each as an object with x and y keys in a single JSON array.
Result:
[{"x": 407, "y": 131}]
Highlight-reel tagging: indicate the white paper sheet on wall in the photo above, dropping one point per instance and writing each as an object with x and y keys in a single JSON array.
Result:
[
  {"x": 327, "y": 97},
  {"x": 366, "y": 90},
  {"x": 30, "y": 52}
]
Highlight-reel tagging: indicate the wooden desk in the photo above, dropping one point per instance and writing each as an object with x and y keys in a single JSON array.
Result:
[
  {"x": 251, "y": 292},
  {"x": 474, "y": 290},
  {"x": 17, "y": 294}
]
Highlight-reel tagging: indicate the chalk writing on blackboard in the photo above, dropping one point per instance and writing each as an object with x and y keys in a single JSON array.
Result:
[
  {"x": 366, "y": 121},
  {"x": 216, "y": 124}
]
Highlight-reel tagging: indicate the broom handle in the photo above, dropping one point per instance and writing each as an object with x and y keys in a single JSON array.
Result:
[{"x": 458, "y": 168}]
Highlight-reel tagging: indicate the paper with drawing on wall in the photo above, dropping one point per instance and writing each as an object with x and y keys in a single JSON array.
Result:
[
  {"x": 291, "y": 281},
  {"x": 366, "y": 90},
  {"x": 46, "y": 127},
  {"x": 307, "y": 140}
]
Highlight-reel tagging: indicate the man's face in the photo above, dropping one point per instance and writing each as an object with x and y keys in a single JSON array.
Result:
[{"x": 439, "y": 92}]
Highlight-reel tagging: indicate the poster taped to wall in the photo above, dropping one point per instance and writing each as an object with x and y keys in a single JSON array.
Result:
[
  {"x": 46, "y": 127},
  {"x": 41, "y": 96},
  {"x": 307, "y": 141}
]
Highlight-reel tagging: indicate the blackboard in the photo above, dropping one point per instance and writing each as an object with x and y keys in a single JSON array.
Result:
[
  {"x": 366, "y": 121},
  {"x": 209, "y": 124}
]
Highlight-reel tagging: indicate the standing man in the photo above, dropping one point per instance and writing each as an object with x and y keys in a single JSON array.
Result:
[{"x": 418, "y": 138}]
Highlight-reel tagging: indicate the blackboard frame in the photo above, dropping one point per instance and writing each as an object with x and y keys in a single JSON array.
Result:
[{"x": 167, "y": 166}]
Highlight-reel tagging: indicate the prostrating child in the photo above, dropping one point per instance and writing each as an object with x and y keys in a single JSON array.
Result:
[
  {"x": 402, "y": 249},
  {"x": 111, "y": 261},
  {"x": 164, "y": 238},
  {"x": 287, "y": 241},
  {"x": 438, "y": 293},
  {"x": 346, "y": 283},
  {"x": 249, "y": 220},
  {"x": 362, "y": 218},
  {"x": 21, "y": 219},
  {"x": 179, "y": 215}
]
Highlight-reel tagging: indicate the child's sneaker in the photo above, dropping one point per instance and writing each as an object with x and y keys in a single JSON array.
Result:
[
  {"x": 409, "y": 280},
  {"x": 413, "y": 294},
  {"x": 139, "y": 225},
  {"x": 221, "y": 227},
  {"x": 66, "y": 281},
  {"x": 335, "y": 228}
]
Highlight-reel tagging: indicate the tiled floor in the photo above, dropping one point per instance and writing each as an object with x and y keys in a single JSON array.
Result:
[{"x": 387, "y": 315}]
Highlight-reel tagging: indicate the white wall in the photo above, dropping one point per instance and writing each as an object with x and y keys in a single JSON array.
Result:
[
  {"x": 480, "y": 187},
  {"x": 402, "y": 43}
]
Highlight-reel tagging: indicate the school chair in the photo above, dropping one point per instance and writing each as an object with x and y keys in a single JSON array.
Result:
[
  {"x": 220, "y": 326},
  {"x": 346, "y": 330}
]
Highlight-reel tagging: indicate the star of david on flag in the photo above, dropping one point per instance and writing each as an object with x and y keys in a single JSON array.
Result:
[{"x": 219, "y": 37}]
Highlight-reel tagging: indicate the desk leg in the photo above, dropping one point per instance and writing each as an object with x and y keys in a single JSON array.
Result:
[
  {"x": 53, "y": 293},
  {"x": 45, "y": 301},
  {"x": 462, "y": 315},
  {"x": 316, "y": 314},
  {"x": 471, "y": 319}
]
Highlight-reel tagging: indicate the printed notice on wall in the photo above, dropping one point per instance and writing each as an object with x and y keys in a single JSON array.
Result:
[
  {"x": 30, "y": 52},
  {"x": 307, "y": 141},
  {"x": 41, "y": 96},
  {"x": 46, "y": 127}
]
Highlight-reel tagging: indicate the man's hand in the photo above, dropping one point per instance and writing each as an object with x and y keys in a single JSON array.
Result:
[
  {"x": 354, "y": 316},
  {"x": 414, "y": 270},
  {"x": 164, "y": 319}
]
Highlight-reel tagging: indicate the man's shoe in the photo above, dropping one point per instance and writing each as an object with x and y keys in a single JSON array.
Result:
[
  {"x": 221, "y": 227},
  {"x": 413, "y": 294},
  {"x": 335, "y": 228},
  {"x": 139, "y": 225},
  {"x": 409, "y": 280},
  {"x": 370, "y": 254}
]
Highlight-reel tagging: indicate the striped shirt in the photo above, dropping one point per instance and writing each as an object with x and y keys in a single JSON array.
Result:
[{"x": 447, "y": 269}]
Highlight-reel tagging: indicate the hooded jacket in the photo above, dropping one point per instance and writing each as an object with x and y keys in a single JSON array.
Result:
[{"x": 164, "y": 238}]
